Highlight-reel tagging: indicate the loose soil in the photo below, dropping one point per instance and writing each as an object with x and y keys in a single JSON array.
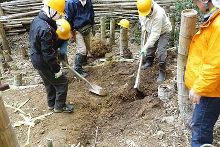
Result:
[{"x": 120, "y": 119}]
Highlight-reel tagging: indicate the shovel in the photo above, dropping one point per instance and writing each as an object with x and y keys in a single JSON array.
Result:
[
  {"x": 93, "y": 88},
  {"x": 137, "y": 81}
]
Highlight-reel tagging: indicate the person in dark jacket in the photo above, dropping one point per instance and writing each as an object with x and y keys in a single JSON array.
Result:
[
  {"x": 43, "y": 50},
  {"x": 80, "y": 15}
]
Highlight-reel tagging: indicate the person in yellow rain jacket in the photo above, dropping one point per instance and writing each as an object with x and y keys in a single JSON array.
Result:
[{"x": 202, "y": 75}]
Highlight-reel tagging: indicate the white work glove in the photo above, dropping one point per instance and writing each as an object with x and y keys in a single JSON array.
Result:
[
  {"x": 59, "y": 74},
  {"x": 144, "y": 49}
]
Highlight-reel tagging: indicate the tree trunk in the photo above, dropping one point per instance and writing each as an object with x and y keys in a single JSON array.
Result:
[
  {"x": 7, "y": 135},
  {"x": 187, "y": 30}
]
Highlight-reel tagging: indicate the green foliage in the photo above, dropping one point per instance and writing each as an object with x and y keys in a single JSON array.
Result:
[
  {"x": 14, "y": 67},
  {"x": 181, "y": 5},
  {"x": 137, "y": 35}
]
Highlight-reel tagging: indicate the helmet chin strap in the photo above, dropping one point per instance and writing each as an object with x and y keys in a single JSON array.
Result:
[
  {"x": 205, "y": 2},
  {"x": 206, "y": 7}
]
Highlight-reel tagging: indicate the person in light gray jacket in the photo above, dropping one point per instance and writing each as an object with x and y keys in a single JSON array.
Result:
[{"x": 156, "y": 24}]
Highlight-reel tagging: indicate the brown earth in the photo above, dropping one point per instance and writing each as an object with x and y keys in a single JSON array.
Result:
[{"x": 120, "y": 119}]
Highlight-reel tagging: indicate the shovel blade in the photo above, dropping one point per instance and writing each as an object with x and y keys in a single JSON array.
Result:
[
  {"x": 139, "y": 93},
  {"x": 98, "y": 90}
]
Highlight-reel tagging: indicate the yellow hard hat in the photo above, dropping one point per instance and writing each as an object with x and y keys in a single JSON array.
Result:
[
  {"x": 57, "y": 5},
  {"x": 63, "y": 29},
  {"x": 144, "y": 7},
  {"x": 124, "y": 23}
]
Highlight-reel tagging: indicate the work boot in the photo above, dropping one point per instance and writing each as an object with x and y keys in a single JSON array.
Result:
[
  {"x": 148, "y": 63},
  {"x": 65, "y": 109},
  {"x": 162, "y": 72},
  {"x": 84, "y": 60},
  {"x": 78, "y": 65}
]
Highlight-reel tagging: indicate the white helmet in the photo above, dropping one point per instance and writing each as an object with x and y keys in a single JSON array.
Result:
[{"x": 216, "y": 3}]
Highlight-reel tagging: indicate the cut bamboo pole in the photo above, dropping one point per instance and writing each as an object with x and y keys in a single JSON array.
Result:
[
  {"x": 124, "y": 50},
  {"x": 123, "y": 40},
  {"x": 7, "y": 135},
  {"x": 112, "y": 32},
  {"x": 187, "y": 30},
  {"x": 23, "y": 52},
  {"x": 103, "y": 30}
]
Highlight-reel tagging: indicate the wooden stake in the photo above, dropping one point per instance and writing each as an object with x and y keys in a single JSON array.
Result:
[
  {"x": 187, "y": 30},
  {"x": 112, "y": 32},
  {"x": 103, "y": 30},
  {"x": 49, "y": 142},
  {"x": 17, "y": 79},
  {"x": 23, "y": 51},
  {"x": 124, "y": 51},
  {"x": 8, "y": 137}
]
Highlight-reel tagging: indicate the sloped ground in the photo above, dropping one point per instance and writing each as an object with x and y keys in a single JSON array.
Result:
[{"x": 120, "y": 119}]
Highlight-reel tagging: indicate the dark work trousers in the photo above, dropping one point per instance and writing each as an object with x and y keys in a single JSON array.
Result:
[
  {"x": 205, "y": 115},
  {"x": 56, "y": 88},
  {"x": 160, "y": 46}
]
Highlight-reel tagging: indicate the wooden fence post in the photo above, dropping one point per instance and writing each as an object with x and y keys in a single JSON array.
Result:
[
  {"x": 7, "y": 135},
  {"x": 103, "y": 30},
  {"x": 112, "y": 32},
  {"x": 187, "y": 30},
  {"x": 124, "y": 51},
  {"x": 3, "y": 35}
]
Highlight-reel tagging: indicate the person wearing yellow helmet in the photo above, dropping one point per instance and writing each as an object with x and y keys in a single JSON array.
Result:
[
  {"x": 124, "y": 23},
  {"x": 63, "y": 29},
  {"x": 202, "y": 74},
  {"x": 43, "y": 53},
  {"x": 80, "y": 15},
  {"x": 64, "y": 32},
  {"x": 155, "y": 22}
]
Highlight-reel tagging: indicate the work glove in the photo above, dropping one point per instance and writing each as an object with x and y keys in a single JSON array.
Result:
[
  {"x": 58, "y": 74},
  {"x": 144, "y": 49}
]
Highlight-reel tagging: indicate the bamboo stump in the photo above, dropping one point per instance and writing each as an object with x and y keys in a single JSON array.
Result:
[
  {"x": 23, "y": 52},
  {"x": 124, "y": 51},
  {"x": 187, "y": 30},
  {"x": 7, "y": 56},
  {"x": 17, "y": 79},
  {"x": 7, "y": 135}
]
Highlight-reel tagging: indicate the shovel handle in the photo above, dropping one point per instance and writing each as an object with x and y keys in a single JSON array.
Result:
[{"x": 79, "y": 75}]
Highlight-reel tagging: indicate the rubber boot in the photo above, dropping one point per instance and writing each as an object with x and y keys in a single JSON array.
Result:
[
  {"x": 78, "y": 65},
  {"x": 162, "y": 72},
  {"x": 84, "y": 60},
  {"x": 148, "y": 63}
]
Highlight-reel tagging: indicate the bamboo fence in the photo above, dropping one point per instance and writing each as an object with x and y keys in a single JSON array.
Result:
[{"x": 17, "y": 15}]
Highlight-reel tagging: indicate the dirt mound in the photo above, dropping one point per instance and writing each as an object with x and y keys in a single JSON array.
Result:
[
  {"x": 98, "y": 48},
  {"x": 120, "y": 119}
]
